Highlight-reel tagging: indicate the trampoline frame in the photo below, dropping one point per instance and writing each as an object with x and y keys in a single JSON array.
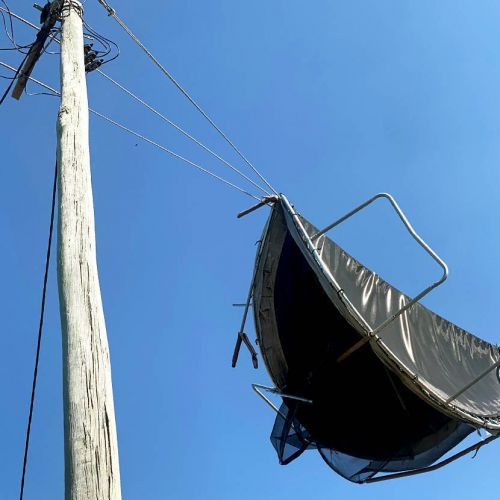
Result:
[{"x": 313, "y": 244}]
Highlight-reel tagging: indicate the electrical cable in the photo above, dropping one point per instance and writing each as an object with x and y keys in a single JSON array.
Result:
[
  {"x": 37, "y": 48},
  {"x": 38, "y": 82},
  {"x": 40, "y": 331},
  {"x": 163, "y": 117},
  {"x": 10, "y": 35},
  {"x": 51, "y": 36},
  {"x": 147, "y": 139},
  {"x": 112, "y": 13},
  {"x": 54, "y": 190},
  {"x": 106, "y": 43},
  {"x": 182, "y": 131},
  {"x": 19, "y": 18},
  {"x": 17, "y": 71},
  {"x": 172, "y": 153}
]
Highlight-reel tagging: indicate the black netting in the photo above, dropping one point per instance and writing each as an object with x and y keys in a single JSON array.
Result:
[{"x": 290, "y": 439}]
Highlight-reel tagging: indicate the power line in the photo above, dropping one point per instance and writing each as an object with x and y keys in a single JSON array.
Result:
[
  {"x": 38, "y": 82},
  {"x": 182, "y": 131},
  {"x": 172, "y": 153},
  {"x": 163, "y": 117},
  {"x": 10, "y": 35},
  {"x": 40, "y": 331},
  {"x": 19, "y": 18},
  {"x": 17, "y": 71},
  {"x": 147, "y": 139},
  {"x": 112, "y": 13},
  {"x": 107, "y": 44},
  {"x": 37, "y": 48}
]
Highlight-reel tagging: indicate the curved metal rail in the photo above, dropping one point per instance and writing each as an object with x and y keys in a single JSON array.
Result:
[{"x": 373, "y": 332}]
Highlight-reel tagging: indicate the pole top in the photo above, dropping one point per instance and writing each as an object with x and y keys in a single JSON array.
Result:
[{"x": 72, "y": 4}]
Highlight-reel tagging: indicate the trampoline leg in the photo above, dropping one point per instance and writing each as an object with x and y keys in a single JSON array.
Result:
[
  {"x": 242, "y": 337},
  {"x": 257, "y": 388}
]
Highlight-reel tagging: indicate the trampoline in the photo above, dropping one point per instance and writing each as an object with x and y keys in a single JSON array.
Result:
[{"x": 375, "y": 382}]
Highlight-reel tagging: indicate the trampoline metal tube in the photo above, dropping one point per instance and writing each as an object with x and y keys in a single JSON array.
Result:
[{"x": 372, "y": 333}]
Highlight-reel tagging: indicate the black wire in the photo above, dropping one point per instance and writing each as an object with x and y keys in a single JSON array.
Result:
[
  {"x": 10, "y": 35},
  {"x": 43, "y": 37},
  {"x": 23, "y": 49},
  {"x": 52, "y": 38},
  {"x": 40, "y": 330},
  {"x": 13, "y": 79},
  {"x": 19, "y": 48},
  {"x": 15, "y": 48},
  {"x": 108, "y": 45},
  {"x": 31, "y": 94}
]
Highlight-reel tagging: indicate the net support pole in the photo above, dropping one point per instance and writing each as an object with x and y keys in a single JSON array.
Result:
[{"x": 90, "y": 441}]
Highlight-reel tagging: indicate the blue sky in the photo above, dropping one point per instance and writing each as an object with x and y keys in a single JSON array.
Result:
[{"x": 334, "y": 101}]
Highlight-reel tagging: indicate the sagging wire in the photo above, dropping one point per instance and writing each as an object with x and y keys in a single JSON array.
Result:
[
  {"x": 10, "y": 35},
  {"x": 37, "y": 48},
  {"x": 105, "y": 51},
  {"x": 12, "y": 15},
  {"x": 23, "y": 49},
  {"x": 109, "y": 48},
  {"x": 104, "y": 47}
]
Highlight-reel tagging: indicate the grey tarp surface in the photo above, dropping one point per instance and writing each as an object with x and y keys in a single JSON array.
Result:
[{"x": 432, "y": 356}]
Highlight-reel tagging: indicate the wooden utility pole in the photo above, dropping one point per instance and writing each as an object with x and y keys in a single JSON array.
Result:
[{"x": 91, "y": 450}]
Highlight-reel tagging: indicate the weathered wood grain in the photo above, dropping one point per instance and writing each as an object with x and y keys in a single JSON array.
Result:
[{"x": 91, "y": 450}]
